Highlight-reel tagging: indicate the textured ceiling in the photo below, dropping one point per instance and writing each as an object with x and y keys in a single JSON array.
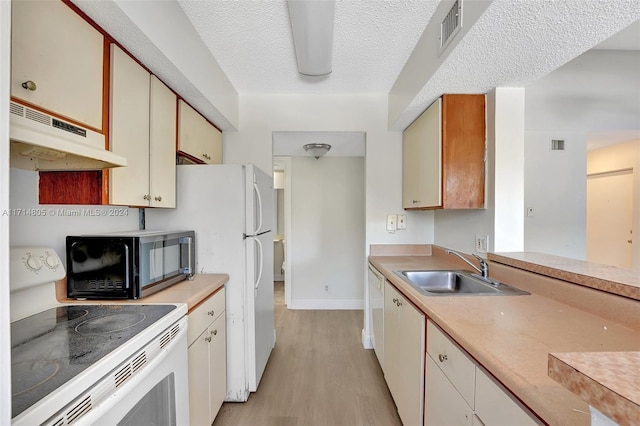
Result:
[{"x": 252, "y": 42}]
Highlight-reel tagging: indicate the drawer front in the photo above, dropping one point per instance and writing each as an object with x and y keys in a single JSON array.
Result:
[
  {"x": 201, "y": 317},
  {"x": 455, "y": 364},
  {"x": 494, "y": 406}
]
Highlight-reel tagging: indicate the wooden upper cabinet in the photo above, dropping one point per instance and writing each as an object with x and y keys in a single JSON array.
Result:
[
  {"x": 62, "y": 55},
  {"x": 444, "y": 155},
  {"x": 197, "y": 138}
]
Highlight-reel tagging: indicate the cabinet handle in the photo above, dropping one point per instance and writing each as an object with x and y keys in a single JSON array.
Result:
[
  {"x": 158, "y": 198},
  {"x": 212, "y": 312},
  {"x": 215, "y": 332},
  {"x": 207, "y": 156},
  {"x": 395, "y": 300},
  {"x": 30, "y": 85},
  {"x": 398, "y": 303},
  {"x": 415, "y": 201},
  {"x": 146, "y": 197},
  {"x": 208, "y": 339},
  {"x": 442, "y": 357}
]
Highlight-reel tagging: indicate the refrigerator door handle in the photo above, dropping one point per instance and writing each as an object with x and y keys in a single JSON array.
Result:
[
  {"x": 259, "y": 199},
  {"x": 259, "y": 263}
]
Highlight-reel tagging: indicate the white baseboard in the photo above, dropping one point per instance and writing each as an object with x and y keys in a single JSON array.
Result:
[
  {"x": 325, "y": 305},
  {"x": 366, "y": 341}
]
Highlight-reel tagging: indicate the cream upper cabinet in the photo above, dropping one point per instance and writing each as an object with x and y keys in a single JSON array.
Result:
[
  {"x": 57, "y": 61},
  {"x": 444, "y": 155},
  {"x": 129, "y": 130},
  {"x": 422, "y": 160},
  {"x": 404, "y": 351},
  {"x": 197, "y": 137},
  {"x": 142, "y": 129},
  {"x": 207, "y": 357},
  {"x": 162, "y": 145}
]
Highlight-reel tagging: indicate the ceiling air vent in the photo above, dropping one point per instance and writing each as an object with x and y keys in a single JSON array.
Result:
[
  {"x": 451, "y": 25},
  {"x": 557, "y": 144}
]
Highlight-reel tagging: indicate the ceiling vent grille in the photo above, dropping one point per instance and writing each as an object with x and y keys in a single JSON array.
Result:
[
  {"x": 557, "y": 144},
  {"x": 451, "y": 25}
]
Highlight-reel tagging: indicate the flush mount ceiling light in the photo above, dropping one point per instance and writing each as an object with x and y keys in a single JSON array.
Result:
[
  {"x": 312, "y": 27},
  {"x": 317, "y": 149}
]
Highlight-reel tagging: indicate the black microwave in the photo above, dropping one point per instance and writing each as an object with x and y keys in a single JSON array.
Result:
[{"x": 128, "y": 265}]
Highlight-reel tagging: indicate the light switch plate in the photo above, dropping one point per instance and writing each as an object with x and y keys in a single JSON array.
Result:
[
  {"x": 402, "y": 221},
  {"x": 392, "y": 221},
  {"x": 482, "y": 243}
]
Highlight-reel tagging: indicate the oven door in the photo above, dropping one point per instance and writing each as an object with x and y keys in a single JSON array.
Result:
[{"x": 156, "y": 395}]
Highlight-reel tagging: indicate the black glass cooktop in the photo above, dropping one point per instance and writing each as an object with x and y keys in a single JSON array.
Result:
[{"x": 50, "y": 348}]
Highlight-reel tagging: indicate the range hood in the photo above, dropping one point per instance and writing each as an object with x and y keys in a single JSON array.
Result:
[{"x": 40, "y": 141}]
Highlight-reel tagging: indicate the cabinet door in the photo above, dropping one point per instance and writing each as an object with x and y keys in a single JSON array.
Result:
[
  {"x": 129, "y": 130},
  {"x": 213, "y": 145},
  {"x": 162, "y": 145},
  {"x": 443, "y": 404},
  {"x": 63, "y": 55},
  {"x": 411, "y": 344},
  {"x": 495, "y": 407},
  {"x": 198, "y": 358},
  {"x": 422, "y": 166},
  {"x": 404, "y": 355},
  {"x": 217, "y": 365}
]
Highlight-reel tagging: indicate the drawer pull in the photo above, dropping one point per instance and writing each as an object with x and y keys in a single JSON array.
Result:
[
  {"x": 442, "y": 357},
  {"x": 211, "y": 313},
  {"x": 207, "y": 339},
  {"x": 29, "y": 85},
  {"x": 215, "y": 332}
]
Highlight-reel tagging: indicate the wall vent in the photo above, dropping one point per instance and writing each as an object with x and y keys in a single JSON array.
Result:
[
  {"x": 451, "y": 25},
  {"x": 557, "y": 144}
]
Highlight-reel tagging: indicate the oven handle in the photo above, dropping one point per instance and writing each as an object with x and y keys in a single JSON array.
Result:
[{"x": 190, "y": 268}]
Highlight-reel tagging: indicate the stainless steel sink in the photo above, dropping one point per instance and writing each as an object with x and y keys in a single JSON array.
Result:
[{"x": 456, "y": 283}]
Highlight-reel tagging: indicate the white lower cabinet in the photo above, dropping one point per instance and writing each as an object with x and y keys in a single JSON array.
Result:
[
  {"x": 207, "y": 356},
  {"x": 404, "y": 355},
  {"x": 459, "y": 392}
]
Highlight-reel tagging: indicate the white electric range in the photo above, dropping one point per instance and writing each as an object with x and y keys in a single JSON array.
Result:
[{"x": 93, "y": 363}]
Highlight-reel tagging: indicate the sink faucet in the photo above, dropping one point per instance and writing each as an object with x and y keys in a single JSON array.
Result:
[{"x": 484, "y": 266}]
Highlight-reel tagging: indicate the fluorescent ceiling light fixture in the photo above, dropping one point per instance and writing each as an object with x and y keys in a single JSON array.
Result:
[
  {"x": 312, "y": 27},
  {"x": 317, "y": 149}
]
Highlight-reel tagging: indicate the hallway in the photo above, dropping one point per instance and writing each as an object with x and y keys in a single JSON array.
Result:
[{"x": 318, "y": 374}]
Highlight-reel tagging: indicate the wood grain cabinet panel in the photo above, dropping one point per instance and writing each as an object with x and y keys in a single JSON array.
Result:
[
  {"x": 444, "y": 155},
  {"x": 63, "y": 55}
]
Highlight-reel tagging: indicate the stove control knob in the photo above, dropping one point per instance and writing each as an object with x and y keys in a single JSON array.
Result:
[
  {"x": 34, "y": 263},
  {"x": 52, "y": 262}
]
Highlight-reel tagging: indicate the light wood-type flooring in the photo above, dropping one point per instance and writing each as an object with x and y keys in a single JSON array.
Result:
[{"x": 318, "y": 375}]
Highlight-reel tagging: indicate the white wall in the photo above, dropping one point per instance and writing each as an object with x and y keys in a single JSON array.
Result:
[
  {"x": 51, "y": 228},
  {"x": 556, "y": 190},
  {"x": 327, "y": 233},
  {"x": 5, "y": 342}
]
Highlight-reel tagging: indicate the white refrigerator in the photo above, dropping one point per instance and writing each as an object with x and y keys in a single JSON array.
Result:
[{"x": 231, "y": 209}]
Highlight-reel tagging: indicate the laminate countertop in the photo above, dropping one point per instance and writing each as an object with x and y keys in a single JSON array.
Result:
[
  {"x": 192, "y": 292},
  {"x": 512, "y": 336}
]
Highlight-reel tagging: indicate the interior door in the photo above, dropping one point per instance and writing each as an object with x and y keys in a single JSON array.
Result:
[{"x": 609, "y": 218}]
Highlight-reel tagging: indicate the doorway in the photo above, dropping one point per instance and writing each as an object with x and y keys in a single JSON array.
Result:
[
  {"x": 609, "y": 218},
  {"x": 323, "y": 201}
]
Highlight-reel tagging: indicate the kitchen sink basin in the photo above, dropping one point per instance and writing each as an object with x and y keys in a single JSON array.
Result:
[{"x": 456, "y": 283}]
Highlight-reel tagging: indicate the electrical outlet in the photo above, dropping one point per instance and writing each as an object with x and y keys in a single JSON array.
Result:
[
  {"x": 402, "y": 221},
  {"x": 482, "y": 243},
  {"x": 392, "y": 221}
]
